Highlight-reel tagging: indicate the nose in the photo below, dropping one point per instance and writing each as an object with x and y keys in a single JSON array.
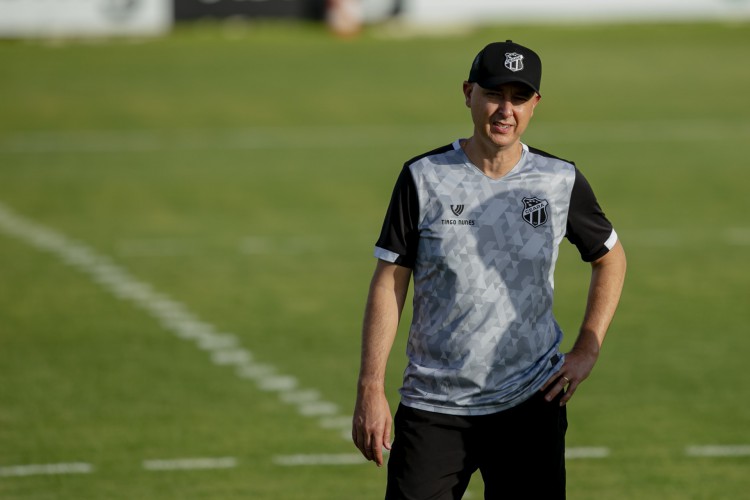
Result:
[{"x": 505, "y": 108}]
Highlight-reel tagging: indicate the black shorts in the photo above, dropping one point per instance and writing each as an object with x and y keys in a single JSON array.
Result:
[{"x": 520, "y": 453}]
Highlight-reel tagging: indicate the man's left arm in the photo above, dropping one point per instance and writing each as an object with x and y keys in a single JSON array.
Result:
[{"x": 607, "y": 278}]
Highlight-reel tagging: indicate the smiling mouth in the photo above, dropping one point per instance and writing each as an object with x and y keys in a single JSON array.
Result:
[{"x": 501, "y": 127}]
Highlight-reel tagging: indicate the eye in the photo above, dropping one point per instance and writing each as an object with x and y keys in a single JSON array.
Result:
[{"x": 521, "y": 97}]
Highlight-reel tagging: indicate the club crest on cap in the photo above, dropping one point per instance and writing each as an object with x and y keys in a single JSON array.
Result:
[{"x": 513, "y": 61}]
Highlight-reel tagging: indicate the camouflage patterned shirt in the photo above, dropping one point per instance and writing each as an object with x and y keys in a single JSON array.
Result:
[{"x": 483, "y": 337}]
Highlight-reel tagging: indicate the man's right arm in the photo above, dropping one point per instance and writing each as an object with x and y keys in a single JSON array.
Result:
[{"x": 371, "y": 426}]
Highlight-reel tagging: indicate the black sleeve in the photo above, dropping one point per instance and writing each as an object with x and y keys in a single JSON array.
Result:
[
  {"x": 400, "y": 233},
  {"x": 588, "y": 228}
]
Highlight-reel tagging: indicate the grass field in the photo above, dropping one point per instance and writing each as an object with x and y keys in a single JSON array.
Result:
[{"x": 186, "y": 231}]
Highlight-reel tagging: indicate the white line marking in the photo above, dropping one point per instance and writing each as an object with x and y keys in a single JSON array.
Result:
[
  {"x": 322, "y": 459},
  {"x": 357, "y": 459},
  {"x": 252, "y": 245},
  {"x": 737, "y": 450},
  {"x": 46, "y": 469},
  {"x": 738, "y": 236},
  {"x": 319, "y": 409},
  {"x": 206, "y": 463},
  {"x": 224, "y": 348},
  {"x": 190, "y": 464},
  {"x": 586, "y": 452},
  {"x": 215, "y": 342},
  {"x": 231, "y": 357},
  {"x": 256, "y": 371},
  {"x": 278, "y": 383},
  {"x": 336, "y": 423},
  {"x": 300, "y": 397}
]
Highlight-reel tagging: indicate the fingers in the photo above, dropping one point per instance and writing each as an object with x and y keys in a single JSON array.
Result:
[
  {"x": 372, "y": 450},
  {"x": 554, "y": 388},
  {"x": 363, "y": 442},
  {"x": 558, "y": 379},
  {"x": 371, "y": 443},
  {"x": 576, "y": 368},
  {"x": 556, "y": 385},
  {"x": 376, "y": 452},
  {"x": 378, "y": 445},
  {"x": 568, "y": 393}
]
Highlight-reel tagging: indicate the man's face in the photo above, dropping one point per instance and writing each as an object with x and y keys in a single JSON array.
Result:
[{"x": 500, "y": 115}]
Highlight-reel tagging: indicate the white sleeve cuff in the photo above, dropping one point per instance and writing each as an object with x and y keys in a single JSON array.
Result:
[
  {"x": 611, "y": 240},
  {"x": 386, "y": 255}
]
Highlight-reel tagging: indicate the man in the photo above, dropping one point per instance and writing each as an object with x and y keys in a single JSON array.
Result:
[{"x": 478, "y": 224}]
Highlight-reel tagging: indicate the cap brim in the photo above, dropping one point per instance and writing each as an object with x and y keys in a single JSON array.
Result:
[{"x": 492, "y": 83}]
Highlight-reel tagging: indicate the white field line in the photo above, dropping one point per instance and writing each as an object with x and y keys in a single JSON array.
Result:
[
  {"x": 320, "y": 459},
  {"x": 738, "y": 236},
  {"x": 737, "y": 450},
  {"x": 358, "y": 459},
  {"x": 46, "y": 469},
  {"x": 586, "y": 452},
  {"x": 333, "y": 459},
  {"x": 333, "y": 136},
  {"x": 190, "y": 464},
  {"x": 224, "y": 349}
]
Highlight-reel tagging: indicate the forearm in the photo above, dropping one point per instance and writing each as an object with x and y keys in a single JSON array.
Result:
[
  {"x": 385, "y": 303},
  {"x": 607, "y": 278},
  {"x": 371, "y": 424}
]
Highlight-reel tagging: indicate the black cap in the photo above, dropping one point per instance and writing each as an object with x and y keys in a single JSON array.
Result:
[{"x": 506, "y": 62}]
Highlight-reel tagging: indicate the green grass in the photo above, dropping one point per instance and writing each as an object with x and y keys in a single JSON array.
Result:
[{"x": 245, "y": 173}]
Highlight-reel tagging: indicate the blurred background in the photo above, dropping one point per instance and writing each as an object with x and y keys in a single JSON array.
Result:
[
  {"x": 190, "y": 192},
  {"x": 45, "y": 18}
]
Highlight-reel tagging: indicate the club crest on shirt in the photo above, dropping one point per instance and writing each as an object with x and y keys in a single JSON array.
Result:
[
  {"x": 457, "y": 209},
  {"x": 535, "y": 211}
]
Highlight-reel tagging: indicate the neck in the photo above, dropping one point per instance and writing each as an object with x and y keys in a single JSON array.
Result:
[{"x": 493, "y": 162}]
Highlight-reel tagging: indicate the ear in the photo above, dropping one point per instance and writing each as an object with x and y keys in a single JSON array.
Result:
[
  {"x": 535, "y": 100},
  {"x": 468, "y": 89}
]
